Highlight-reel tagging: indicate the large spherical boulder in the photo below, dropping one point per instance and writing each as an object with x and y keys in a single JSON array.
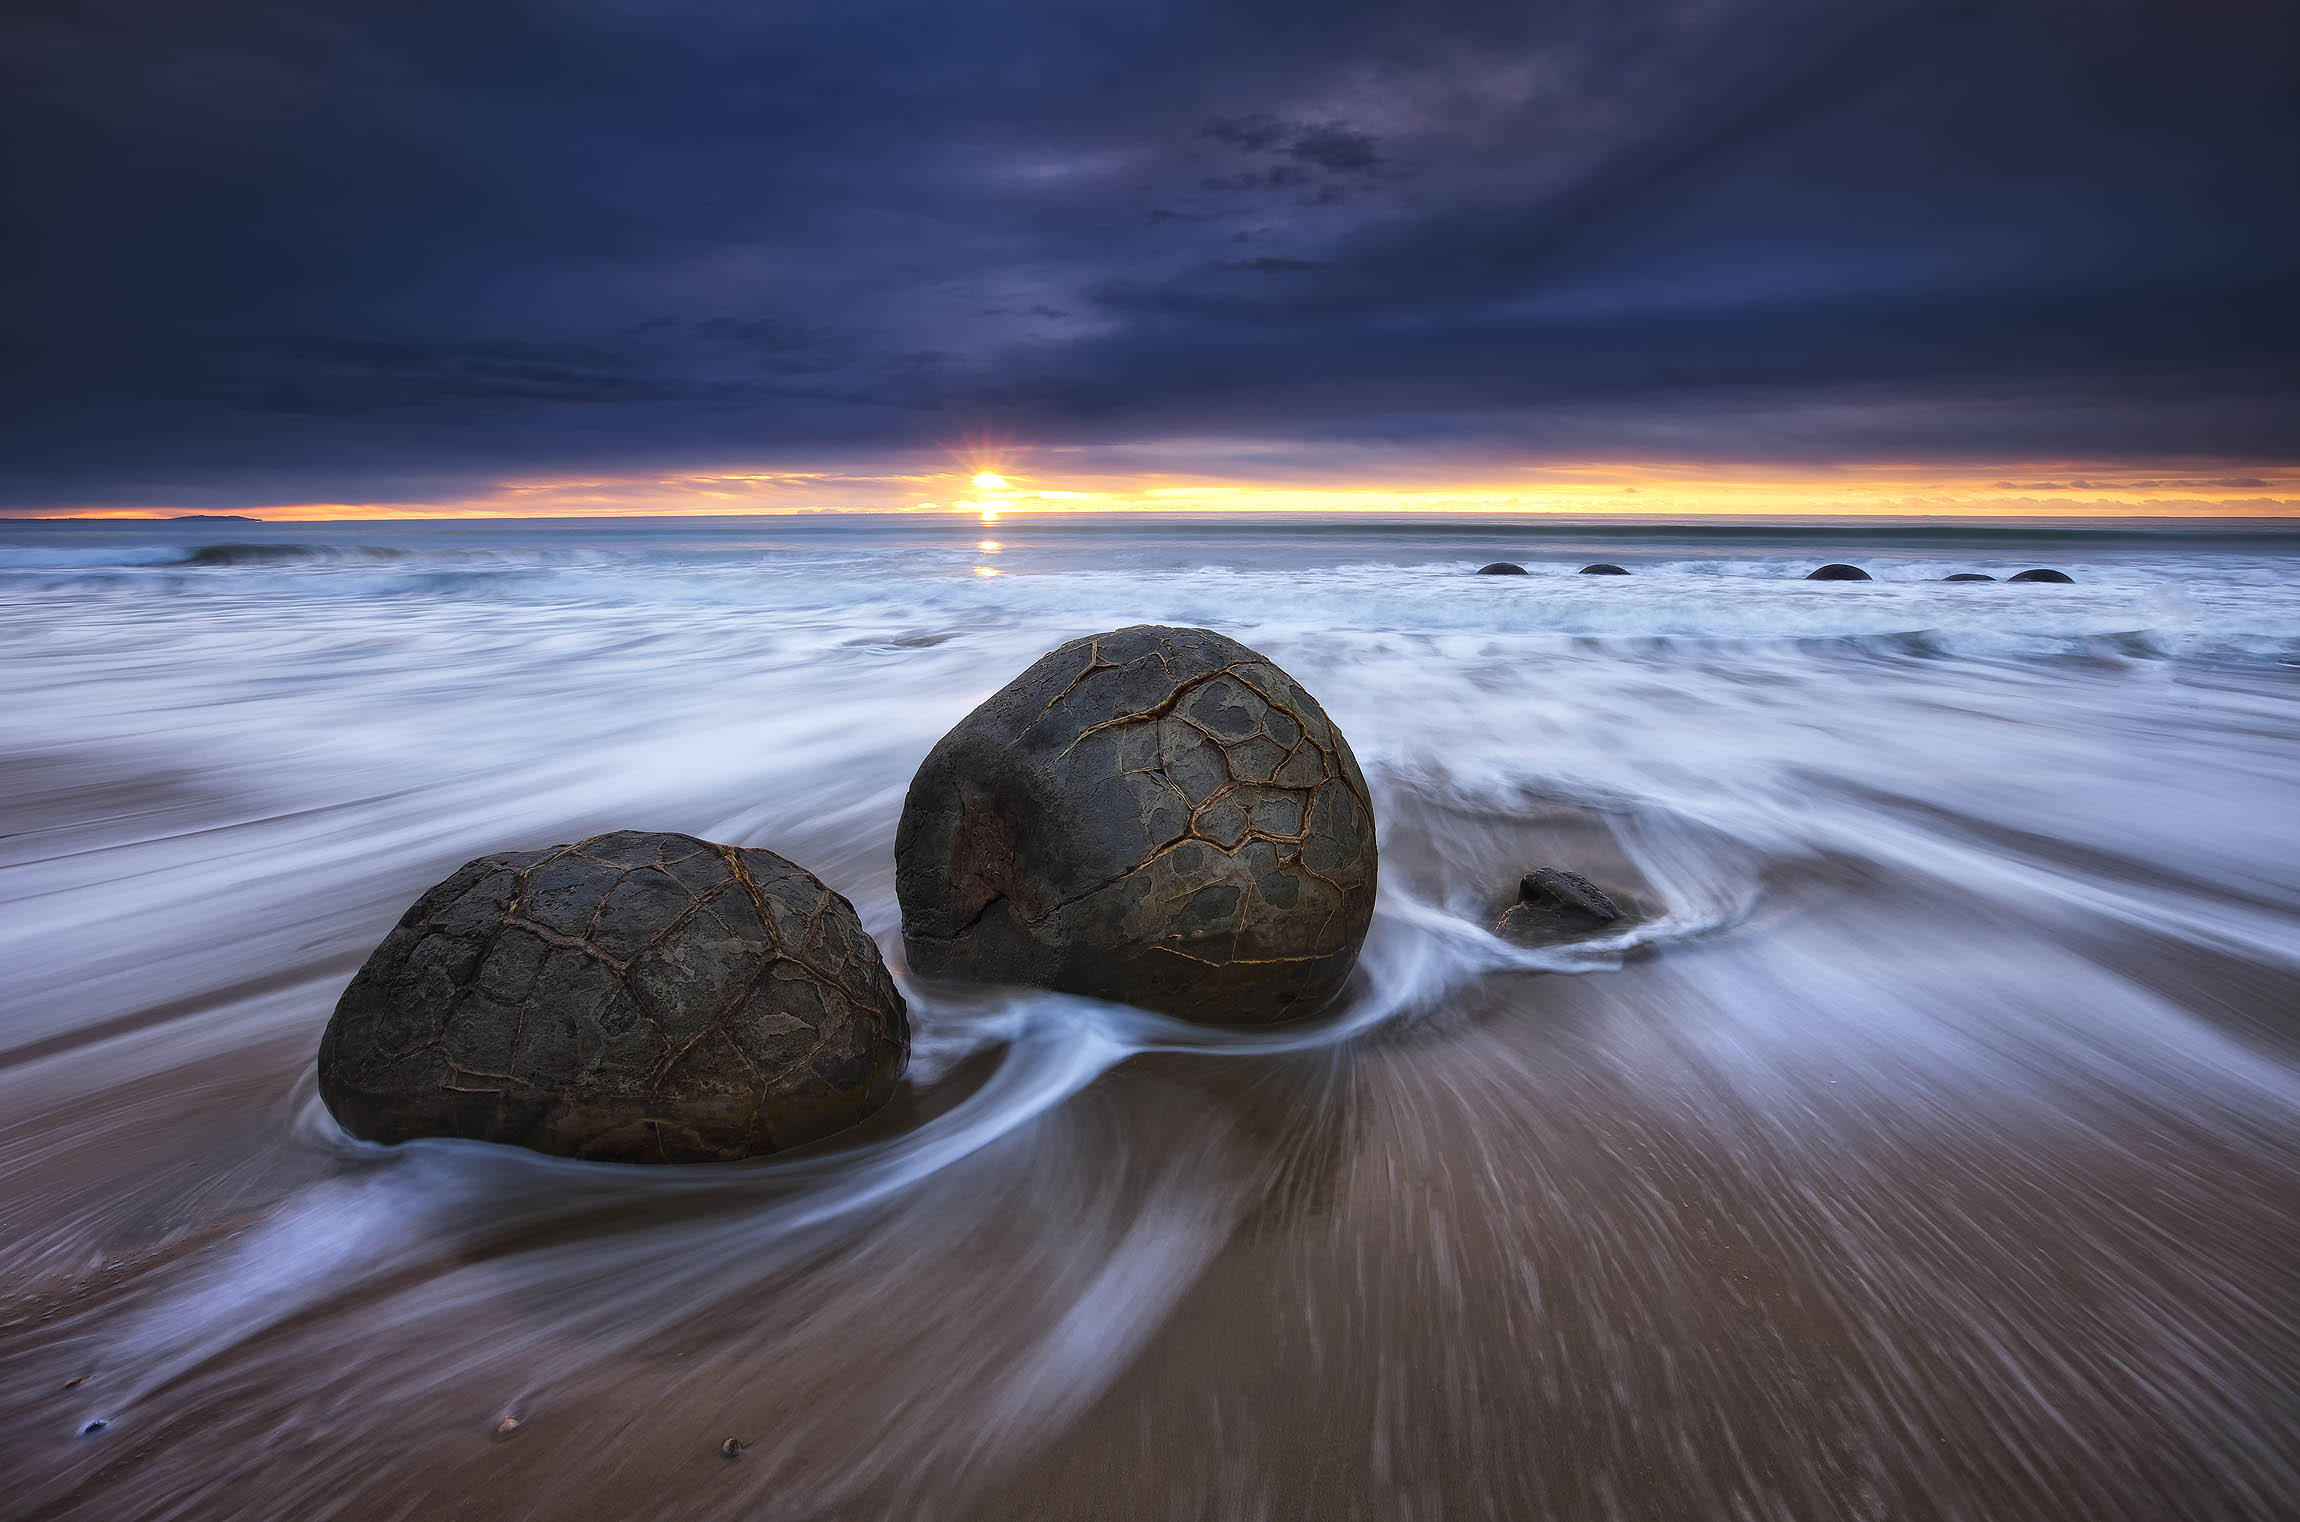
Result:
[
  {"x": 1837, "y": 571},
  {"x": 633, "y": 998},
  {"x": 1155, "y": 816},
  {"x": 2042, "y": 575},
  {"x": 1502, "y": 568},
  {"x": 1602, "y": 568}
]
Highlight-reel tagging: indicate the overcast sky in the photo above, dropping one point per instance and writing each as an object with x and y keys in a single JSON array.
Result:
[{"x": 399, "y": 251}]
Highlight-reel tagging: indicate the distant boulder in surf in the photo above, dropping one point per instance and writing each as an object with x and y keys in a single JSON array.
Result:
[
  {"x": 1602, "y": 568},
  {"x": 1968, "y": 576},
  {"x": 1835, "y": 571},
  {"x": 634, "y": 998},
  {"x": 2043, "y": 575},
  {"x": 1155, "y": 816},
  {"x": 1554, "y": 904},
  {"x": 1501, "y": 568}
]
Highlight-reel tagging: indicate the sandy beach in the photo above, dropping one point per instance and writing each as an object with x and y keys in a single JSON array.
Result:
[{"x": 1925, "y": 1144}]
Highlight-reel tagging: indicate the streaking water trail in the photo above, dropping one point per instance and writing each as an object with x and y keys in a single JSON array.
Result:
[{"x": 1925, "y": 1143}]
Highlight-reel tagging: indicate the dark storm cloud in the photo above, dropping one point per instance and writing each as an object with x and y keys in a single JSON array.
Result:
[
  {"x": 1254, "y": 134},
  {"x": 1327, "y": 145},
  {"x": 346, "y": 250},
  {"x": 1335, "y": 147}
]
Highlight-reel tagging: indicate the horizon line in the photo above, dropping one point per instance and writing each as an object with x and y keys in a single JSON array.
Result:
[{"x": 1012, "y": 517}]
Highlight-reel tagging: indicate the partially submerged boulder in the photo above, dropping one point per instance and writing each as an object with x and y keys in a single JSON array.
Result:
[
  {"x": 1968, "y": 576},
  {"x": 1838, "y": 571},
  {"x": 633, "y": 997},
  {"x": 1553, "y": 904},
  {"x": 1501, "y": 568},
  {"x": 1602, "y": 568},
  {"x": 1155, "y": 816},
  {"x": 2042, "y": 575}
]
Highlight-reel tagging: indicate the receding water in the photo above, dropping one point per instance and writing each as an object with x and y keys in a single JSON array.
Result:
[{"x": 1927, "y": 1147}]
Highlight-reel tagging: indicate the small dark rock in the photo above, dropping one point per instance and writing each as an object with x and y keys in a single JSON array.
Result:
[
  {"x": 1567, "y": 890},
  {"x": 1556, "y": 905},
  {"x": 91, "y": 1428},
  {"x": 1968, "y": 576},
  {"x": 1155, "y": 816},
  {"x": 1501, "y": 568},
  {"x": 1836, "y": 571},
  {"x": 634, "y": 997},
  {"x": 2043, "y": 575},
  {"x": 1601, "y": 569},
  {"x": 732, "y": 1448}
]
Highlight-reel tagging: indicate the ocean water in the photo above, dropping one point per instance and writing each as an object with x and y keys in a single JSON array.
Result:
[{"x": 1926, "y": 1145}]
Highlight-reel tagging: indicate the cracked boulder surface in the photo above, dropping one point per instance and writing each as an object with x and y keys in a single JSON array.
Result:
[
  {"x": 634, "y": 998},
  {"x": 1155, "y": 816}
]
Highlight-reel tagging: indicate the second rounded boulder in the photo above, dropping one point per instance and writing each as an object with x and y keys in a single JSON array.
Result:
[
  {"x": 632, "y": 998},
  {"x": 1156, "y": 816}
]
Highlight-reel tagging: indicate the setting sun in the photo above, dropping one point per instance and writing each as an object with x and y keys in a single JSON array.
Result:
[{"x": 989, "y": 482}]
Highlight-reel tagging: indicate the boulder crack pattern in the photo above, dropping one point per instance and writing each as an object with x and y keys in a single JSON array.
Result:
[
  {"x": 634, "y": 996},
  {"x": 1158, "y": 791}
]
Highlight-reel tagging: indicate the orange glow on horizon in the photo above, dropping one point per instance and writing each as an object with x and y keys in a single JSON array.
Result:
[{"x": 1593, "y": 490}]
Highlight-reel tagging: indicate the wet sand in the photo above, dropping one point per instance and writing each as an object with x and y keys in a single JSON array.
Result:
[
  {"x": 1928, "y": 1146},
  {"x": 1568, "y": 1247}
]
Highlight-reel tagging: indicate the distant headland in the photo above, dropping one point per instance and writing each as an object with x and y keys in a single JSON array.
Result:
[{"x": 173, "y": 518}]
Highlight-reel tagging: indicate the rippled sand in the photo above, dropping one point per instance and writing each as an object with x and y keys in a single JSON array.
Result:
[{"x": 1928, "y": 1146}]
